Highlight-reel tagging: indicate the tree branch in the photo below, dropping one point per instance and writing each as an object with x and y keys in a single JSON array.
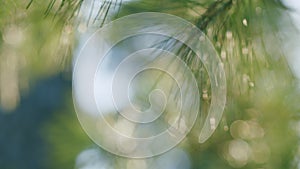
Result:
[{"x": 214, "y": 10}]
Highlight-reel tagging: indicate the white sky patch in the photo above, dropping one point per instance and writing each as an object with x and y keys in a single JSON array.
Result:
[{"x": 292, "y": 46}]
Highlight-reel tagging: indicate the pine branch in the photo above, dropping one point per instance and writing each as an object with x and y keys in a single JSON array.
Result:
[{"x": 214, "y": 10}]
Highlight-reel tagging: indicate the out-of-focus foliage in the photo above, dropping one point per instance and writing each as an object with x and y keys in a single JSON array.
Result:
[
  {"x": 260, "y": 127},
  {"x": 33, "y": 44}
]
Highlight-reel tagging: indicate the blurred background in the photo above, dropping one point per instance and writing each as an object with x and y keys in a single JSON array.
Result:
[{"x": 257, "y": 40}]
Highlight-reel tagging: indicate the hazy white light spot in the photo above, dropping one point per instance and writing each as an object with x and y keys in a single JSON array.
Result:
[
  {"x": 239, "y": 152},
  {"x": 223, "y": 55},
  {"x": 178, "y": 127},
  {"x": 245, "y": 22},
  {"x": 182, "y": 126},
  {"x": 125, "y": 145},
  {"x": 202, "y": 38},
  {"x": 226, "y": 128},
  {"x": 212, "y": 123},
  {"x": 256, "y": 131},
  {"x": 239, "y": 129},
  {"x": 82, "y": 28},
  {"x": 245, "y": 51},
  {"x": 13, "y": 35},
  {"x": 229, "y": 35},
  {"x": 125, "y": 127},
  {"x": 205, "y": 95},
  {"x": 68, "y": 29},
  {"x": 205, "y": 57},
  {"x": 246, "y": 78},
  {"x": 221, "y": 66},
  {"x": 251, "y": 84}
]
